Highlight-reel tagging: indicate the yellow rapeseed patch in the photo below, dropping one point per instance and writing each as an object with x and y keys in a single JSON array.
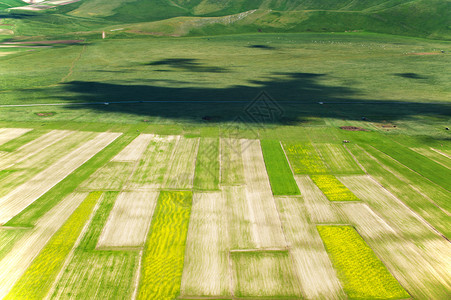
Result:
[
  {"x": 333, "y": 188},
  {"x": 38, "y": 278},
  {"x": 363, "y": 275},
  {"x": 163, "y": 258},
  {"x": 304, "y": 159}
]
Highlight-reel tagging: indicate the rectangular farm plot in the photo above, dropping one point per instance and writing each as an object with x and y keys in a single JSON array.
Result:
[
  {"x": 304, "y": 159},
  {"x": 338, "y": 159},
  {"x": 27, "y": 193},
  {"x": 206, "y": 269},
  {"x": 333, "y": 188},
  {"x": 279, "y": 171},
  {"x": 435, "y": 155},
  {"x": 207, "y": 165},
  {"x": 112, "y": 176},
  {"x": 135, "y": 149},
  {"x": 180, "y": 174},
  {"x": 232, "y": 172},
  {"x": 154, "y": 163},
  {"x": 263, "y": 274},
  {"x": 8, "y": 134},
  {"x": 164, "y": 252},
  {"x": 363, "y": 275},
  {"x": 129, "y": 220}
]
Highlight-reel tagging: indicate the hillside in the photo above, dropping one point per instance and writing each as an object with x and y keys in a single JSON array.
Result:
[{"x": 421, "y": 18}]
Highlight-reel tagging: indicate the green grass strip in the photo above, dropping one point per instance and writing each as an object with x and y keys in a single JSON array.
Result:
[
  {"x": 304, "y": 159},
  {"x": 363, "y": 275},
  {"x": 40, "y": 275},
  {"x": 162, "y": 263},
  {"x": 279, "y": 171},
  {"x": 33, "y": 212},
  {"x": 207, "y": 165},
  {"x": 333, "y": 188}
]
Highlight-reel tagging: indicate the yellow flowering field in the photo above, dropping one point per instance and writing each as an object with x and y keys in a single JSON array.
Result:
[
  {"x": 333, "y": 188},
  {"x": 38, "y": 279},
  {"x": 304, "y": 159},
  {"x": 162, "y": 263},
  {"x": 363, "y": 275}
]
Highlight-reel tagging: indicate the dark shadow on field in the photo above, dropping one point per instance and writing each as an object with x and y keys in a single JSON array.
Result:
[
  {"x": 289, "y": 98},
  {"x": 411, "y": 75},
  {"x": 263, "y": 47},
  {"x": 187, "y": 65}
]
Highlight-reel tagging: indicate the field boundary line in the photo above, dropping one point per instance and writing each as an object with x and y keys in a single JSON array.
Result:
[
  {"x": 289, "y": 163},
  {"x": 77, "y": 243},
  {"x": 430, "y": 200},
  {"x": 137, "y": 276},
  {"x": 195, "y": 163},
  {"x": 71, "y": 69},
  {"x": 440, "y": 152},
  {"x": 355, "y": 158}
]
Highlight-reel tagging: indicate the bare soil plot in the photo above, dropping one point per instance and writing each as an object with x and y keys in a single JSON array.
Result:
[
  {"x": 317, "y": 276},
  {"x": 180, "y": 174},
  {"x": 434, "y": 155},
  {"x": 262, "y": 207},
  {"x": 112, "y": 176},
  {"x": 135, "y": 149},
  {"x": 154, "y": 162},
  {"x": 421, "y": 267},
  {"x": 206, "y": 267},
  {"x": 264, "y": 274},
  {"x": 338, "y": 159},
  {"x": 25, "y": 250},
  {"x": 319, "y": 208},
  {"x": 27, "y": 193},
  {"x": 129, "y": 220},
  {"x": 8, "y": 134},
  {"x": 231, "y": 165},
  {"x": 241, "y": 224}
]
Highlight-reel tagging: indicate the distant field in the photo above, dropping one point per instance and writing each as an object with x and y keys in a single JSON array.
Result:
[{"x": 255, "y": 230}]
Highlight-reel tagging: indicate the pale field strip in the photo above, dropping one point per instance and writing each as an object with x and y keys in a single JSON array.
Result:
[
  {"x": 152, "y": 167},
  {"x": 446, "y": 153},
  {"x": 317, "y": 276},
  {"x": 422, "y": 267},
  {"x": 110, "y": 177},
  {"x": 33, "y": 147},
  {"x": 231, "y": 163},
  {"x": 395, "y": 212},
  {"x": 266, "y": 225},
  {"x": 239, "y": 219},
  {"x": 337, "y": 158},
  {"x": 319, "y": 208},
  {"x": 434, "y": 155},
  {"x": 27, "y": 193},
  {"x": 180, "y": 174},
  {"x": 264, "y": 274},
  {"x": 14, "y": 264},
  {"x": 134, "y": 150},
  {"x": 129, "y": 220},
  {"x": 206, "y": 266},
  {"x": 8, "y": 134}
]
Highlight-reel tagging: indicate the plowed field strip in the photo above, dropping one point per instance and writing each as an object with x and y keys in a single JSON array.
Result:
[
  {"x": 135, "y": 149},
  {"x": 180, "y": 174},
  {"x": 8, "y": 134}
]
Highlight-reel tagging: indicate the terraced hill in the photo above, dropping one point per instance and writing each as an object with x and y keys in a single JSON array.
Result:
[{"x": 423, "y": 18}]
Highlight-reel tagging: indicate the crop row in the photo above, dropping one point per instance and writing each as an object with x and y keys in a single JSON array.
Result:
[
  {"x": 333, "y": 188},
  {"x": 364, "y": 276},
  {"x": 163, "y": 258},
  {"x": 40, "y": 275}
]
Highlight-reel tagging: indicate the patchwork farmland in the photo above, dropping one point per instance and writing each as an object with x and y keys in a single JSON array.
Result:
[{"x": 131, "y": 215}]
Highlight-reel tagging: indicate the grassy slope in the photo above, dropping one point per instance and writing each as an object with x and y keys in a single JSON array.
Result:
[{"x": 4, "y": 4}]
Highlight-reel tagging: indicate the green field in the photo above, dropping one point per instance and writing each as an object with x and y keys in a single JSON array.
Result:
[{"x": 233, "y": 149}]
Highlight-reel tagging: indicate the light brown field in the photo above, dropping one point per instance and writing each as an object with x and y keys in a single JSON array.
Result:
[
  {"x": 14, "y": 264},
  {"x": 112, "y": 176},
  {"x": 135, "y": 149},
  {"x": 180, "y": 174},
  {"x": 154, "y": 162},
  {"x": 231, "y": 163},
  {"x": 267, "y": 229},
  {"x": 319, "y": 208},
  {"x": 8, "y": 134},
  {"x": 206, "y": 267},
  {"x": 129, "y": 220},
  {"x": 27, "y": 193},
  {"x": 312, "y": 265},
  {"x": 423, "y": 267}
]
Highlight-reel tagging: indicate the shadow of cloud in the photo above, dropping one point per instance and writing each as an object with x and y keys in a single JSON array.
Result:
[
  {"x": 288, "y": 98},
  {"x": 187, "y": 65},
  {"x": 263, "y": 47},
  {"x": 411, "y": 75}
]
